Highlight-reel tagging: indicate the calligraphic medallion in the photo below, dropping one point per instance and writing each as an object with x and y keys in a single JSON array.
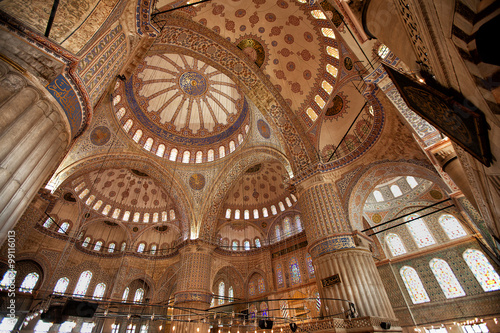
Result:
[
  {"x": 193, "y": 83},
  {"x": 197, "y": 181}
]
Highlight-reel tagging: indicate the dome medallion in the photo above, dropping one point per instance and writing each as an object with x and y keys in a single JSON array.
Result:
[{"x": 193, "y": 83}]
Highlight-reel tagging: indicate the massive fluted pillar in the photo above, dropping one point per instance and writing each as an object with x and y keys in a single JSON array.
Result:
[
  {"x": 33, "y": 137},
  {"x": 193, "y": 289},
  {"x": 343, "y": 263}
]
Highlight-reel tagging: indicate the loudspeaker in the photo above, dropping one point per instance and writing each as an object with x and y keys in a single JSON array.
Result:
[
  {"x": 293, "y": 327},
  {"x": 80, "y": 309},
  {"x": 385, "y": 325},
  {"x": 266, "y": 324}
]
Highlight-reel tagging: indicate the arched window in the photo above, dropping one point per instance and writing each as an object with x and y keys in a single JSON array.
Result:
[
  {"x": 164, "y": 216},
  {"x": 235, "y": 245},
  {"x": 137, "y": 136},
  {"x": 246, "y": 214},
  {"x": 141, "y": 247},
  {"x": 295, "y": 270},
  {"x": 186, "y": 156},
  {"x": 251, "y": 288},
  {"x": 61, "y": 286},
  {"x": 298, "y": 223},
  {"x": 230, "y": 294},
  {"x": 253, "y": 311},
  {"x": 264, "y": 309},
  {"x": 483, "y": 271},
  {"x": 153, "y": 249},
  {"x": 228, "y": 213},
  {"x": 334, "y": 52},
  {"x": 116, "y": 213},
  {"x": 199, "y": 156},
  {"x": 286, "y": 226},
  {"x": 82, "y": 284},
  {"x": 318, "y": 14},
  {"x": 288, "y": 202},
  {"x": 155, "y": 217},
  {"x": 378, "y": 196},
  {"x": 264, "y": 212},
  {"x": 414, "y": 285},
  {"x": 447, "y": 280},
  {"x": 309, "y": 263},
  {"x": 139, "y": 295},
  {"x": 136, "y": 217},
  {"x": 210, "y": 155},
  {"x": 86, "y": 242},
  {"x": 97, "y": 246},
  {"x": 123, "y": 247},
  {"x": 97, "y": 205},
  {"x": 277, "y": 231},
  {"x": 222, "y": 290},
  {"x": 99, "y": 291},
  {"x": 84, "y": 193},
  {"x": 29, "y": 283},
  {"x": 172, "y": 214},
  {"x": 48, "y": 223},
  {"x": 173, "y": 154},
  {"x": 117, "y": 99},
  {"x": 237, "y": 214},
  {"x": 395, "y": 245},
  {"x": 294, "y": 198},
  {"x": 120, "y": 113},
  {"x": 222, "y": 151},
  {"x": 419, "y": 231},
  {"x": 332, "y": 70},
  {"x": 8, "y": 278},
  {"x": 319, "y": 101},
  {"x": 383, "y": 51},
  {"x": 128, "y": 125},
  {"x": 411, "y": 181},
  {"x": 63, "y": 228},
  {"x": 281, "y": 205},
  {"x": 106, "y": 210},
  {"x": 273, "y": 210},
  {"x": 240, "y": 138},
  {"x": 318, "y": 301},
  {"x": 262, "y": 286},
  {"x": 257, "y": 242},
  {"x": 255, "y": 213},
  {"x": 125, "y": 294},
  {"x": 451, "y": 226},
  {"x": 126, "y": 216},
  {"x": 279, "y": 275},
  {"x": 148, "y": 144},
  {"x": 311, "y": 114},
  {"x": 161, "y": 150},
  {"x": 90, "y": 200},
  {"x": 111, "y": 247},
  {"x": 232, "y": 146},
  {"x": 246, "y": 244},
  {"x": 145, "y": 218},
  {"x": 396, "y": 191},
  {"x": 327, "y": 32}
]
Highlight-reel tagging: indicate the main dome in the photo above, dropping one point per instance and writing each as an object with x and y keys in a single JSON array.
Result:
[{"x": 181, "y": 102}]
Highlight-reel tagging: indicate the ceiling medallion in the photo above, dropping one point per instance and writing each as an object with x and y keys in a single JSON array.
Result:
[{"x": 193, "y": 83}]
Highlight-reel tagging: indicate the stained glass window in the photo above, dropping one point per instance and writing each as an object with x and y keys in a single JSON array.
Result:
[
  {"x": 63, "y": 228},
  {"x": 230, "y": 294},
  {"x": 172, "y": 214},
  {"x": 279, "y": 275},
  {"x": 126, "y": 216},
  {"x": 298, "y": 223},
  {"x": 61, "y": 285},
  {"x": 246, "y": 244},
  {"x": 161, "y": 150},
  {"x": 319, "y": 101},
  {"x": 273, "y": 210},
  {"x": 246, "y": 214},
  {"x": 383, "y": 51},
  {"x": 483, "y": 271},
  {"x": 111, "y": 247},
  {"x": 86, "y": 242},
  {"x": 281, "y": 206},
  {"x": 327, "y": 32},
  {"x": 257, "y": 242},
  {"x": 29, "y": 283},
  {"x": 240, "y": 138},
  {"x": 164, "y": 216},
  {"x": 264, "y": 309},
  {"x": 141, "y": 248},
  {"x": 97, "y": 205},
  {"x": 235, "y": 245},
  {"x": 262, "y": 287},
  {"x": 155, "y": 217},
  {"x": 447, "y": 280},
  {"x": 8, "y": 278},
  {"x": 237, "y": 214},
  {"x": 228, "y": 213},
  {"x": 117, "y": 99},
  {"x": 106, "y": 209},
  {"x": 128, "y": 125},
  {"x": 120, "y": 113},
  {"x": 222, "y": 290},
  {"x": 419, "y": 231},
  {"x": 139, "y": 295},
  {"x": 173, "y": 155},
  {"x": 137, "y": 136},
  {"x": 116, "y": 213},
  {"x": 253, "y": 311},
  {"x": 395, "y": 245},
  {"x": 222, "y": 151},
  {"x": 251, "y": 288},
  {"x": 332, "y": 70},
  {"x": 312, "y": 115},
  {"x": 99, "y": 291},
  {"x": 414, "y": 285},
  {"x": 90, "y": 200},
  {"x": 334, "y": 52},
  {"x": 210, "y": 155},
  {"x": 97, "y": 246},
  {"x": 123, "y": 247},
  {"x": 84, "y": 193},
  {"x": 83, "y": 284},
  {"x": 294, "y": 268},
  {"x": 286, "y": 226},
  {"x": 451, "y": 226},
  {"x": 145, "y": 218},
  {"x": 309, "y": 264},
  {"x": 125, "y": 294},
  {"x": 186, "y": 156},
  {"x": 153, "y": 249},
  {"x": 136, "y": 217},
  {"x": 318, "y": 14},
  {"x": 148, "y": 144},
  {"x": 48, "y": 222},
  {"x": 232, "y": 147},
  {"x": 278, "y": 232},
  {"x": 255, "y": 213}
]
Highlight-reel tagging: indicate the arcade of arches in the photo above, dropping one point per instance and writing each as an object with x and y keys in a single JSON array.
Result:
[{"x": 234, "y": 164}]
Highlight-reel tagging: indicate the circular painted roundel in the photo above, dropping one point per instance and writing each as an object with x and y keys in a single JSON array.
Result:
[{"x": 193, "y": 83}]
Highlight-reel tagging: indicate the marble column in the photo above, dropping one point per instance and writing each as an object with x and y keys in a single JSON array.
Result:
[
  {"x": 193, "y": 293},
  {"x": 33, "y": 138},
  {"x": 343, "y": 262}
]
